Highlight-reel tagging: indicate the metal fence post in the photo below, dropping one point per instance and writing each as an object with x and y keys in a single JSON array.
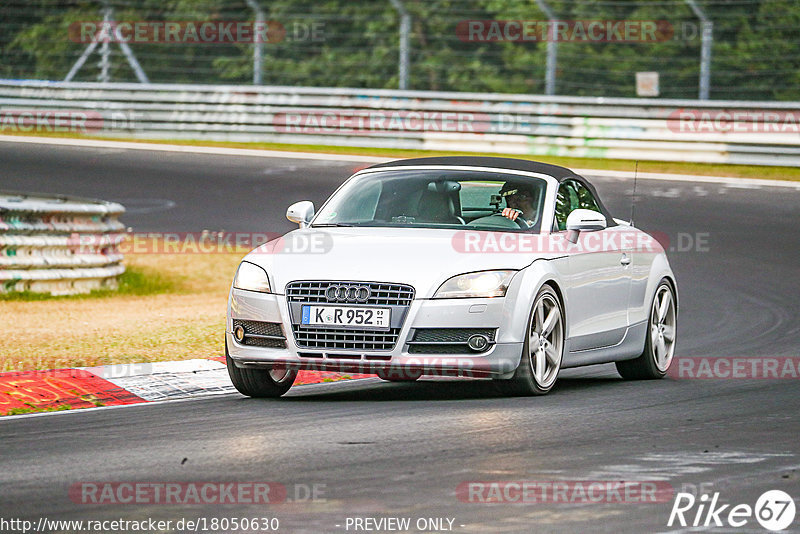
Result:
[
  {"x": 105, "y": 52},
  {"x": 552, "y": 51},
  {"x": 706, "y": 40},
  {"x": 405, "y": 30},
  {"x": 258, "y": 46}
]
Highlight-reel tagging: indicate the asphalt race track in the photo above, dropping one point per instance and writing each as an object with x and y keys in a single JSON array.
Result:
[{"x": 401, "y": 450}]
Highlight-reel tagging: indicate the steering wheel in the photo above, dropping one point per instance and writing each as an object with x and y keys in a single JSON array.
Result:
[
  {"x": 499, "y": 221},
  {"x": 523, "y": 224}
]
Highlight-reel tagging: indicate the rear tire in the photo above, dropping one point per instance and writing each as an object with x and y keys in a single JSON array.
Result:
[
  {"x": 542, "y": 351},
  {"x": 260, "y": 383},
  {"x": 659, "y": 345}
]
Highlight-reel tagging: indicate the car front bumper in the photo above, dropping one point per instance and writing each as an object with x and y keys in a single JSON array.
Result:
[{"x": 500, "y": 359}]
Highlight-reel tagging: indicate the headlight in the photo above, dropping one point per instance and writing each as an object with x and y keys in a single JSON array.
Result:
[
  {"x": 251, "y": 277},
  {"x": 480, "y": 284}
]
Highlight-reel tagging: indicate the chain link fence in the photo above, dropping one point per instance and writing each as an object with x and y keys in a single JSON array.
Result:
[{"x": 560, "y": 47}]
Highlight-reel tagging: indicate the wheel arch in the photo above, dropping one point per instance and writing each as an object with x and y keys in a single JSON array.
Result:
[
  {"x": 523, "y": 293},
  {"x": 659, "y": 270}
]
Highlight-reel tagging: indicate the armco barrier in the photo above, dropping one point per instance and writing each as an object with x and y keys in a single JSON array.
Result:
[
  {"x": 738, "y": 132},
  {"x": 59, "y": 245}
]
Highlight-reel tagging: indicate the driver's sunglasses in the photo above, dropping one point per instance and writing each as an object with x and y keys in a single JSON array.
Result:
[{"x": 516, "y": 197}]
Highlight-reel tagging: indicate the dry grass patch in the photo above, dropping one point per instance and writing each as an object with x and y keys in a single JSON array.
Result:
[{"x": 172, "y": 309}]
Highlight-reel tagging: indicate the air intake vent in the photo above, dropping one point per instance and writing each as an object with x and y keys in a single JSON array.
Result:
[
  {"x": 447, "y": 340},
  {"x": 262, "y": 334}
]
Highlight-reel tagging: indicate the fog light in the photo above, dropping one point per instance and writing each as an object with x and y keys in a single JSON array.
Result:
[
  {"x": 478, "y": 342},
  {"x": 238, "y": 333}
]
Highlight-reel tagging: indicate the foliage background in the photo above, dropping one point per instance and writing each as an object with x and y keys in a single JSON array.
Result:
[{"x": 756, "y": 52}]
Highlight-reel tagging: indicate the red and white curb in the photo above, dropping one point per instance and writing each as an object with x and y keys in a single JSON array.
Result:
[
  {"x": 123, "y": 384},
  {"x": 168, "y": 380}
]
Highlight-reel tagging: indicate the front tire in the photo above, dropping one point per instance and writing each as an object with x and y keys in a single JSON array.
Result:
[
  {"x": 542, "y": 351},
  {"x": 659, "y": 345},
  {"x": 260, "y": 383}
]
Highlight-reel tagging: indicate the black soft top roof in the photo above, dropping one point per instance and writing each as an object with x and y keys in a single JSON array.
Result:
[{"x": 484, "y": 161}]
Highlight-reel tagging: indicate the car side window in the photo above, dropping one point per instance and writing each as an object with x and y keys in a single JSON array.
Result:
[
  {"x": 571, "y": 196},
  {"x": 585, "y": 198},
  {"x": 566, "y": 201}
]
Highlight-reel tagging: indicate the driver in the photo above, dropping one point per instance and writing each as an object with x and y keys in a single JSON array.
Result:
[{"x": 520, "y": 202}]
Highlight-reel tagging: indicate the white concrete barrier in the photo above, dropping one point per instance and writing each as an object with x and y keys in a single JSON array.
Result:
[
  {"x": 59, "y": 245},
  {"x": 737, "y": 132}
]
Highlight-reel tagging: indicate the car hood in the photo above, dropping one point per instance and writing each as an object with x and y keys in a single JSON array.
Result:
[{"x": 421, "y": 257}]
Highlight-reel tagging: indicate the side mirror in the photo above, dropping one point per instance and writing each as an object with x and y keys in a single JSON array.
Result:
[
  {"x": 582, "y": 220},
  {"x": 301, "y": 213}
]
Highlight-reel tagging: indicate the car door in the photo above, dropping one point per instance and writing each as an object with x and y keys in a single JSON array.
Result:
[{"x": 598, "y": 275}]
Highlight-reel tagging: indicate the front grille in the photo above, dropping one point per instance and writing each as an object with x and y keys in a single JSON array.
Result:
[
  {"x": 326, "y": 338},
  {"x": 382, "y": 294},
  {"x": 254, "y": 330},
  {"x": 311, "y": 337},
  {"x": 446, "y": 340}
]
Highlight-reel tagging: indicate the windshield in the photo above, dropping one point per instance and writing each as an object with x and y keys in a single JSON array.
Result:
[{"x": 476, "y": 200}]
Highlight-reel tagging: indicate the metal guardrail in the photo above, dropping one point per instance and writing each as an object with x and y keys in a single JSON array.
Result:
[
  {"x": 59, "y": 245},
  {"x": 737, "y": 132}
]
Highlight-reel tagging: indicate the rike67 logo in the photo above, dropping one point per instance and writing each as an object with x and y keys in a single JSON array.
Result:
[{"x": 774, "y": 510}]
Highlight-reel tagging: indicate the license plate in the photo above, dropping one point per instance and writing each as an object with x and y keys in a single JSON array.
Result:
[{"x": 347, "y": 316}]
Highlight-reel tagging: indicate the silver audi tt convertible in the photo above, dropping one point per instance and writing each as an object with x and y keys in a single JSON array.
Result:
[{"x": 493, "y": 268}]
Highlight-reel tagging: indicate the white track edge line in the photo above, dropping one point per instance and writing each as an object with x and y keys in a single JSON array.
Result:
[
  {"x": 249, "y": 152},
  {"x": 192, "y": 149}
]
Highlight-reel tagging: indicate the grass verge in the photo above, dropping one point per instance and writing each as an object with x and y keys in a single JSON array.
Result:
[
  {"x": 170, "y": 307},
  {"x": 34, "y": 409},
  {"x": 134, "y": 281}
]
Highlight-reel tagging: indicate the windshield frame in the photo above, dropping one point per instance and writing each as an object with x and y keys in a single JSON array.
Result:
[{"x": 543, "y": 223}]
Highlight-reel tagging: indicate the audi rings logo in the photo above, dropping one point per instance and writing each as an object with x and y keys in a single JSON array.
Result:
[{"x": 348, "y": 293}]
